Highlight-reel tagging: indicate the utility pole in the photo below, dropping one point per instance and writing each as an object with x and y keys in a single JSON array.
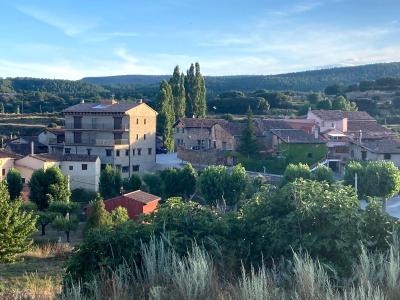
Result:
[{"x": 356, "y": 183}]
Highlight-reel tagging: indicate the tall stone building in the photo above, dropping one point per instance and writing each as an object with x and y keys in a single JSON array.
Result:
[{"x": 121, "y": 134}]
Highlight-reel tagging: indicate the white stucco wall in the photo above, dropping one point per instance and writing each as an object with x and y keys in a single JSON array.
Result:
[{"x": 79, "y": 178}]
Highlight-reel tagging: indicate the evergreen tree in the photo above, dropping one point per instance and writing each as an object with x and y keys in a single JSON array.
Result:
[
  {"x": 166, "y": 116},
  {"x": 248, "y": 142},
  {"x": 2, "y": 108},
  {"x": 200, "y": 94},
  {"x": 132, "y": 183},
  {"x": 110, "y": 183},
  {"x": 14, "y": 183},
  {"x": 190, "y": 82},
  {"x": 98, "y": 216},
  {"x": 178, "y": 92},
  {"x": 17, "y": 109},
  {"x": 16, "y": 226}
]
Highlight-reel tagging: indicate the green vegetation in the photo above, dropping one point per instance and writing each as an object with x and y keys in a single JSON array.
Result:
[
  {"x": 16, "y": 225},
  {"x": 166, "y": 116},
  {"x": 248, "y": 141},
  {"x": 14, "y": 183},
  {"x": 302, "y": 153},
  {"x": 110, "y": 184}
]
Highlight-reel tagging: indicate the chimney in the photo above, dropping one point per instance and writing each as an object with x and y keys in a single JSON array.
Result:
[
  {"x": 108, "y": 101},
  {"x": 360, "y": 137},
  {"x": 140, "y": 101},
  {"x": 32, "y": 148},
  {"x": 83, "y": 101}
]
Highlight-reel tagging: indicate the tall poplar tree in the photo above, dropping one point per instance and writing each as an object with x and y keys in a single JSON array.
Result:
[
  {"x": 166, "y": 116},
  {"x": 200, "y": 94},
  {"x": 248, "y": 142},
  {"x": 178, "y": 92},
  {"x": 190, "y": 82}
]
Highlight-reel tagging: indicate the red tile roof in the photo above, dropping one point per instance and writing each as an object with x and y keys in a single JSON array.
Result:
[{"x": 142, "y": 197}]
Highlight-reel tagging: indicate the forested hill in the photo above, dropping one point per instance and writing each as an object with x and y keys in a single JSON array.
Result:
[{"x": 299, "y": 81}]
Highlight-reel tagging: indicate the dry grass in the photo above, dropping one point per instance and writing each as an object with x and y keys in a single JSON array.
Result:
[{"x": 37, "y": 274}]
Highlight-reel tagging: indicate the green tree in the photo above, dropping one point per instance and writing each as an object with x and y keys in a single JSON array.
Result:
[
  {"x": 322, "y": 173},
  {"x": 119, "y": 215},
  {"x": 132, "y": 183},
  {"x": 153, "y": 183},
  {"x": 187, "y": 180},
  {"x": 66, "y": 223},
  {"x": 335, "y": 89},
  {"x": 110, "y": 182},
  {"x": 44, "y": 219},
  {"x": 314, "y": 97},
  {"x": 178, "y": 92},
  {"x": 17, "y": 109},
  {"x": 324, "y": 104},
  {"x": 166, "y": 115},
  {"x": 98, "y": 215},
  {"x": 293, "y": 172},
  {"x": 63, "y": 208},
  {"x": 218, "y": 185},
  {"x": 47, "y": 186},
  {"x": 190, "y": 83},
  {"x": 380, "y": 179},
  {"x": 2, "y": 108},
  {"x": 248, "y": 141},
  {"x": 16, "y": 225},
  {"x": 200, "y": 106},
  {"x": 14, "y": 183},
  {"x": 341, "y": 103}
]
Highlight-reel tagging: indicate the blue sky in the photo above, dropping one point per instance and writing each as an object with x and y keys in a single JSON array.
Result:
[{"x": 72, "y": 39}]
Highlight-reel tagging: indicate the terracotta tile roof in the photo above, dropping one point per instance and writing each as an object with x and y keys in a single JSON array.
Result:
[
  {"x": 46, "y": 157},
  {"x": 79, "y": 157},
  {"x": 370, "y": 129},
  {"x": 296, "y": 136},
  {"x": 199, "y": 123},
  {"x": 142, "y": 197},
  {"x": 100, "y": 108},
  {"x": 9, "y": 154},
  {"x": 336, "y": 115},
  {"x": 382, "y": 146}
]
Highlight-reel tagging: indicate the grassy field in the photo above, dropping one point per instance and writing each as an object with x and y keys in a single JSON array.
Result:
[{"x": 37, "y": 274}]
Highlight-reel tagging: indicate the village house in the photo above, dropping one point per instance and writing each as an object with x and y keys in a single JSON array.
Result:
[
  {"x": 121, "y": 134},
  {"x": 54, "y": 139},
  {"x": 22, "y": 145},
  {"x": 385, "y": 149},
  {"x": 7, "y": 161}
]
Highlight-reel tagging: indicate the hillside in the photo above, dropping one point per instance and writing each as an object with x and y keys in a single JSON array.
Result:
[{"x": 300, "y": 81}]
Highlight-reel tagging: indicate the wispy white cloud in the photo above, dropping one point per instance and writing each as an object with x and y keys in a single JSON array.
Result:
[
  {"x": 70, "y": 26},
  {"x": 295, "y": 9}
]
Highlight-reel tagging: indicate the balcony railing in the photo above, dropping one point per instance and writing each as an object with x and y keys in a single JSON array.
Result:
[
  {"x": 97, "y": 142},
  {"x": 101, "y": 126}
]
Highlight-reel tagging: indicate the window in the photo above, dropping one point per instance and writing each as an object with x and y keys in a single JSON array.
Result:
[
  {"x": 139, "y": 151},
  {"x": 387, "y": 156},
  {"x": 77, "y": 122},
  {"x": 133, "y": 152},
  {"x": 117, "y": 152},
  {"x": 117, "y": 123},
  {"x": 223, "y": 145},
  {"x": 70, "y": 168},
  {"x": 144, "y": 136},
  {"x": 118, "y": 168},
  {"x": 89, "y": 151},
  {"x": 364, "y": 155},
  {"x": 177, "y": 129},
  {"x": 137, "y": 137},
  {"x": 137, "y": 121},
  {"x": 3, "y": 172},
  {"x": 108, "y": 152},
  {"x": 144, "y": 121},
  {"x": 183, "y": 130},
  {"x": 125, "y": 169},
  {"x": 309, "y": 155},
  {"x": 84, "y": 167},
  {"x": 149, "y": 151},
  {"x": 135, "y": 168},
  {"x": 127, "y": 152},
  {"x": 77, "y": 137},
  {"x": 23, "y": 180},
  {"x": 215, "y": 144},
  {"x": 67, "y": 150}
]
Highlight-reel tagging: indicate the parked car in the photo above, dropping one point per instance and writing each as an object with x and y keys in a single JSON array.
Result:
[{"x": 162, "y": 150}]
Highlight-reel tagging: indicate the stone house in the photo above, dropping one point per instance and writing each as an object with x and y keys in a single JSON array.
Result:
[
  {"x": 54, "y": 139},
  {"x": 385, "y": 149}
]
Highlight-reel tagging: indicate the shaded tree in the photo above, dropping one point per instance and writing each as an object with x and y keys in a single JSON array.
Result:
[
  {"x": 200, "y": 106},
  {"x": 98, "y": 215},
  {"x": 66, "y": 223},
  {"x": 110, "y": 182},
  {"x": 119, "y": 215},
  {"x": 248, "y": 141},
  {"x": 166, "y": 116},
  {"x": 14, "y": 183},
  {"x": 322, "y": 173},
  {"x": 295, "y": 171},
  {"x": 177, "y": 83},
  {"x": 132, "y": 183}
]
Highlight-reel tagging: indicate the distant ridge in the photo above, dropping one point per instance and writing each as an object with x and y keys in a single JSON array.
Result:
[{"x": 299, "y": 81}]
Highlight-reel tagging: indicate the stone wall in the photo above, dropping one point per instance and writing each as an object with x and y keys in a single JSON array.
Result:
[{"x": 205, "y": 157}]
